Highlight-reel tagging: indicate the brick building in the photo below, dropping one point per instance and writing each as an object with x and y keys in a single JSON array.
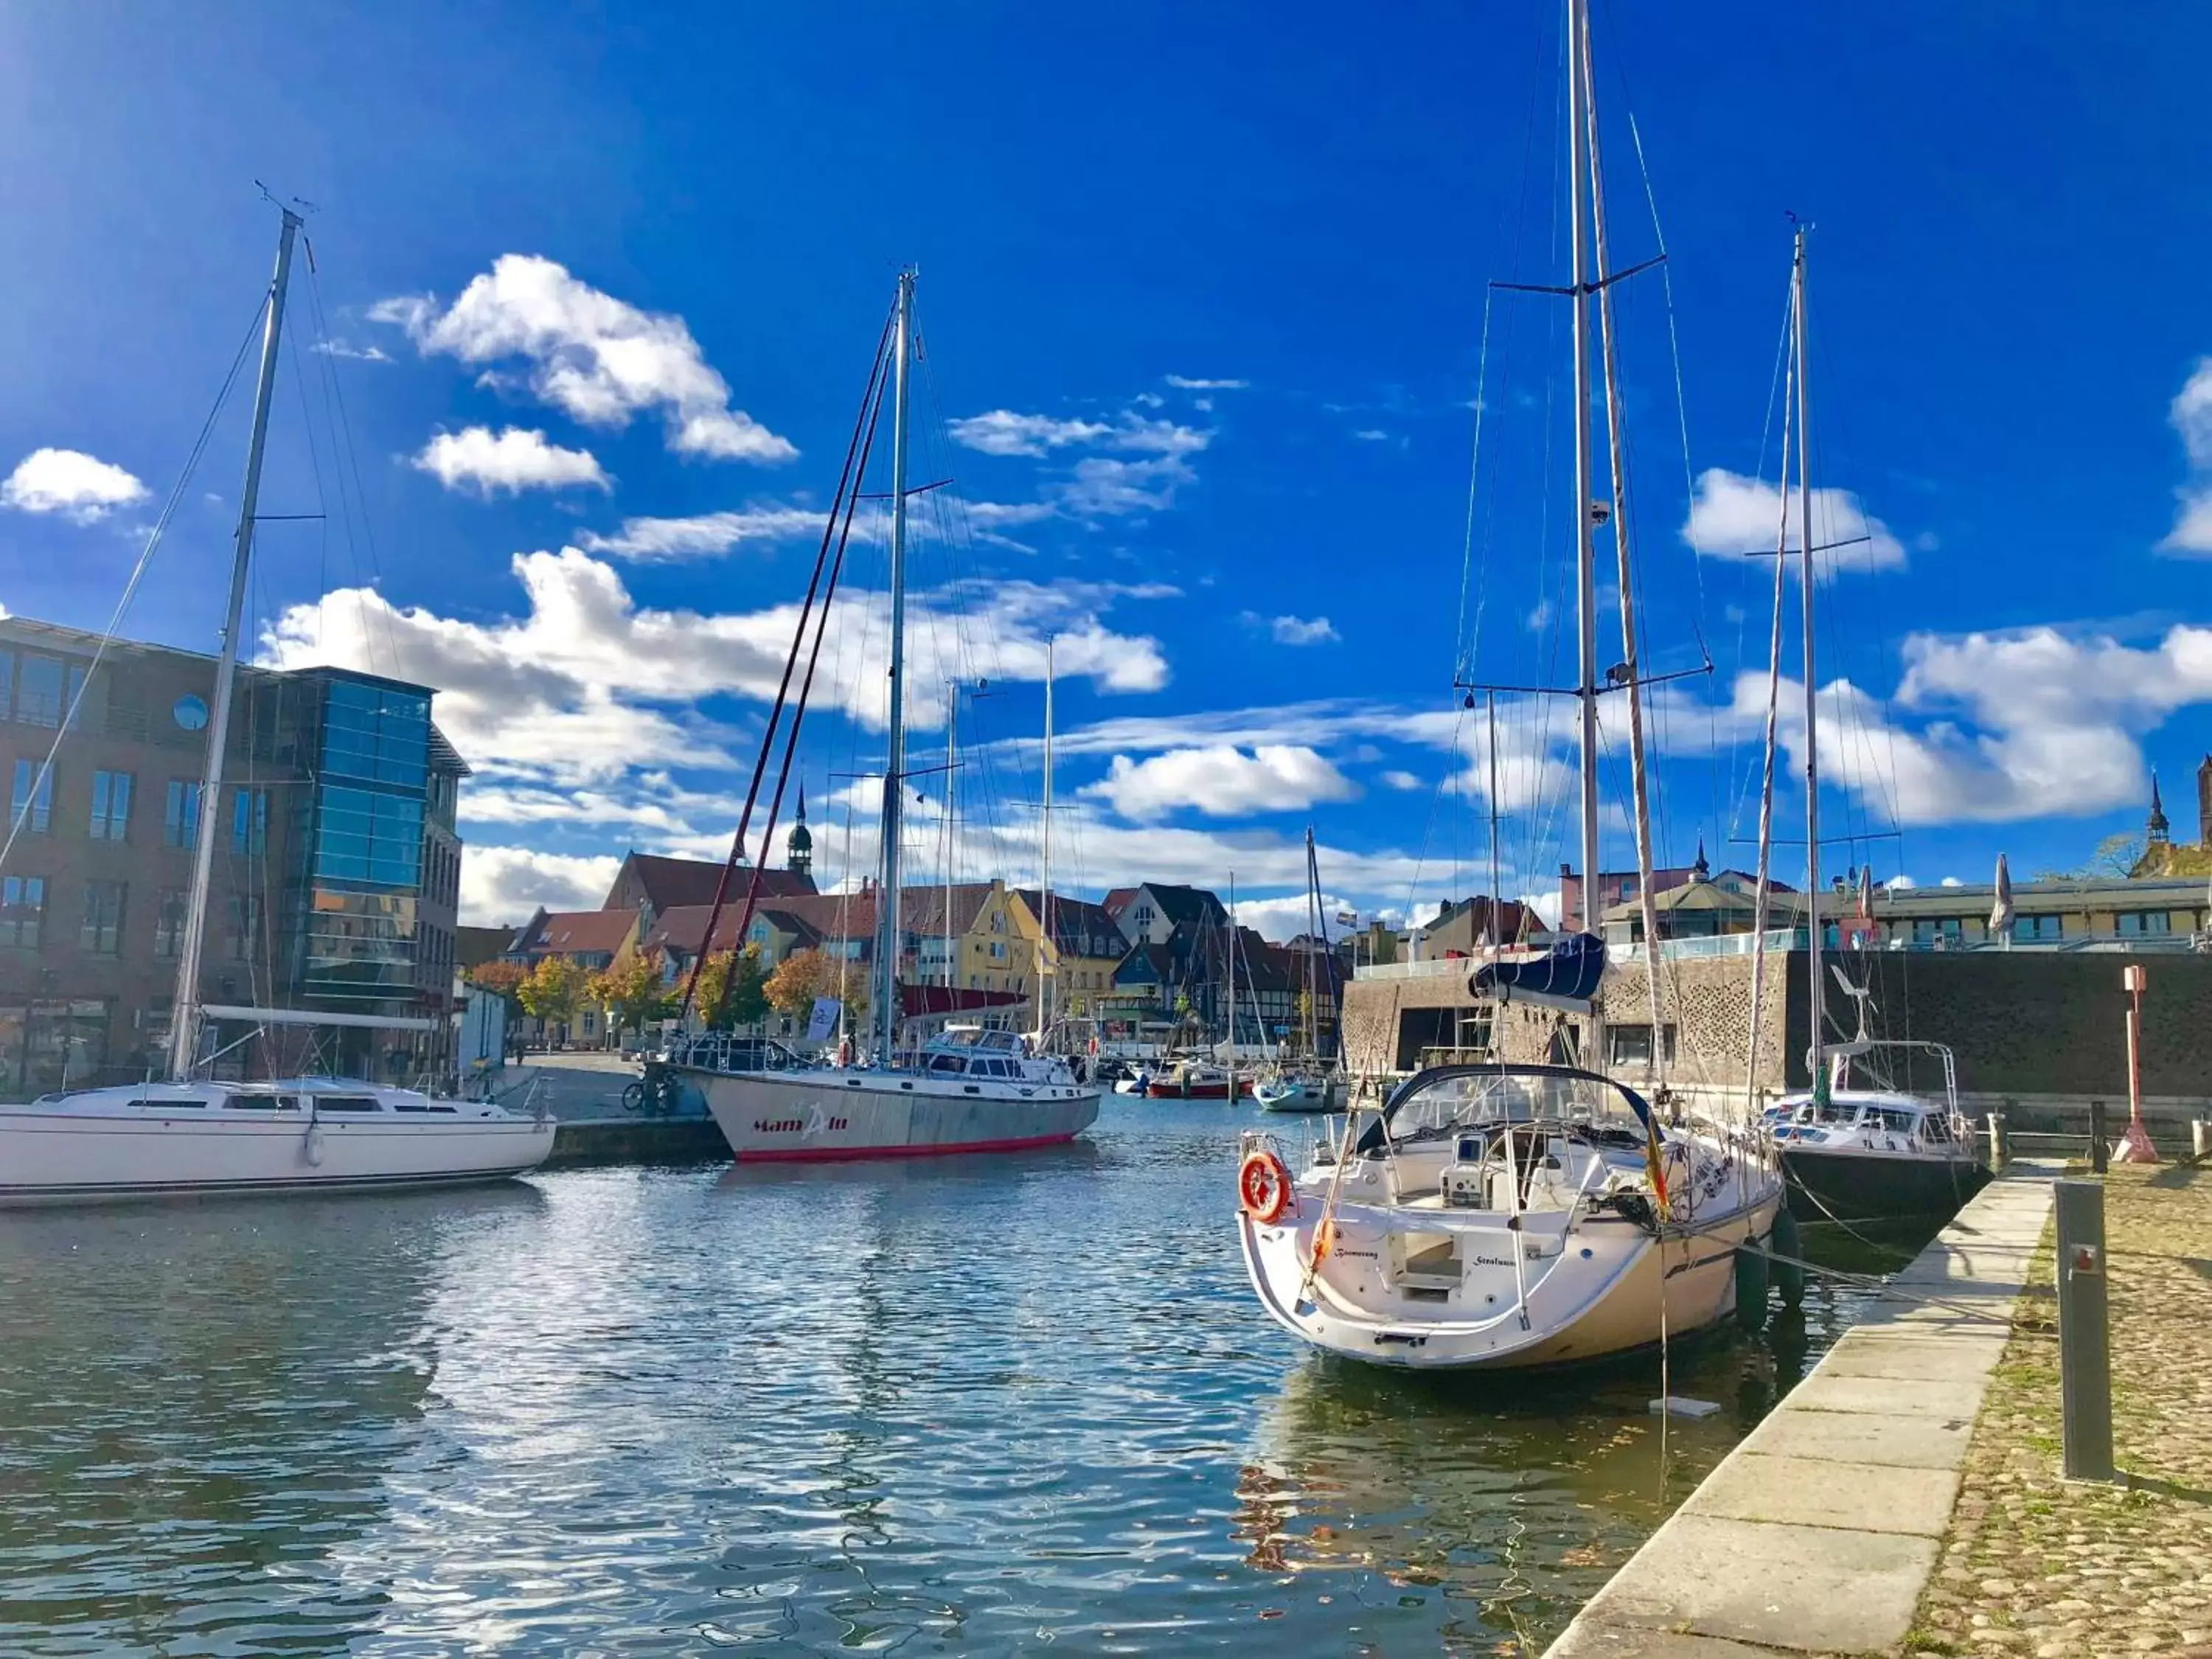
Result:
[{"x": 337, "y": 875}]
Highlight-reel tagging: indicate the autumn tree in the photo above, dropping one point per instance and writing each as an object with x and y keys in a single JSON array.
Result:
[
  {"x": 632, "y": 992},
  {"x": 726, "y": 1001},
  {"x": 503, "y": 979},
  {"x": 804, "y": 976},
  {"x": 554, "y": 990}
]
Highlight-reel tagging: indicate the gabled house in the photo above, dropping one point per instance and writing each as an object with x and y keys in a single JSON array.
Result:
[
  {"x": 1087, "y": 946},
  {"x": 655, "y": 885},
  {"x": 1156, "y": 912}
]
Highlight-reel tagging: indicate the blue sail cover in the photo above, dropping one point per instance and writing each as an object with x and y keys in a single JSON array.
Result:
[{"x": 1565, "y": 976}]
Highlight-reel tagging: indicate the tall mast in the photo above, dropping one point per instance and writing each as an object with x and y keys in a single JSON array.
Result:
[
  {"x": 951, "y": 819},
  {"x": 1631, "y": 662},
  {"x": 1578, "y": 92},
  {"x": 185, "y": 1023},
  {"x": 1497, "y": 879},
  {"x": 1046, "y": 956},
  {"x": 1313, "y": 935},
  {"x": 1817, "y": 1002},
  {"x": 1232, "y": 985},
  {"x": 887, "y": 904}
]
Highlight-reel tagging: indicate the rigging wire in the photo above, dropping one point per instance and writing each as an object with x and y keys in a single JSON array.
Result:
[{"x": 43, "y": 782}]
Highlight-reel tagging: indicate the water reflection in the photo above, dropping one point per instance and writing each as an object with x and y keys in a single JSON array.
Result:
[{"x": 966, "y": 1406}]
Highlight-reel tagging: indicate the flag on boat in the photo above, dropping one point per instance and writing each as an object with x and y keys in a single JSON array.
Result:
[{"x": 824, "y": 1020}]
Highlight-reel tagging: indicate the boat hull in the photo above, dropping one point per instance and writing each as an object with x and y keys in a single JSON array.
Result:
[
  {"x": 826, "y": 1116},
  {"x": 1302, "y": 1095},
  {"x": 1623, "y": 1290},
  {"x": 1214, "y": 1091},
  {"x": 64, "y": 1158},
  {"x": 1847, "y": 1184}
]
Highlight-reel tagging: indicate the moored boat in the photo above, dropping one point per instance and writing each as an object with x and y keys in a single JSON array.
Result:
[{"x": 1496, "y": 1216}]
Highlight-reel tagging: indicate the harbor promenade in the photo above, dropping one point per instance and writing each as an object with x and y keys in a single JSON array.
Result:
[{"x": 1821, "y": 1531}]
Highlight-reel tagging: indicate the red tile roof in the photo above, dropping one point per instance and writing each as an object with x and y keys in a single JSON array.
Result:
[
  {"x": 575, "y": 932},
  {"x": 668, "y": 883}
]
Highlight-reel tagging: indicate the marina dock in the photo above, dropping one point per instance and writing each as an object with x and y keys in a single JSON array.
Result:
[{"x": 1820, "y": 1533}]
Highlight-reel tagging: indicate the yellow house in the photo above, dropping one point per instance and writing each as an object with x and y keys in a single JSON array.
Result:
[
  {"x": 990, "y": 949},
  {"x": 1087, "y": 946}
]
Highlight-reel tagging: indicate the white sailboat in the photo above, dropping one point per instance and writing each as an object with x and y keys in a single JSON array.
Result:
[
  {"x": 1311, "y": 1083},
  {"x": 1500, "y": 1216},
  {"x": 967, "y": 1090},
  {"x": 1848, "y": 1154},
  {"x": 193, "y": 1136}
]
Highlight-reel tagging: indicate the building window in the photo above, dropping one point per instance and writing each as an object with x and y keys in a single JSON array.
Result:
[
  {"x": 180, "y": 815},
  {"x": 2139, "y": 924},
  {"x": 2037, "y": 927},
  {"x": 38, "y": 691},
  {"x": 376, "y": 734},
  {"x": 111, "y": 806},
  {"x": 1631, "y": 1045},
  {"x": 1929, "y": 930},
  {"x": 242, "y": 926},
  {"x": 364, "y": 836},
  {"x": 249, "y": 823},
  {"x": 31, "y": 802},
  {"x": 102, "y": 933},
  {"x": 7, "y": 683},
  {"x": 169, "y": 923},
  {"x": 22, "y": 909}
]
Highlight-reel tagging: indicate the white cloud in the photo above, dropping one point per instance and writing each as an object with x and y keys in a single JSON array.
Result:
[
  {"x": 1950, "y": 881},
  {"x": 1003, "y": 432},
  {"x": 599, "y": 358},
  {"x": 588, "y": 684},
  {"x": 1222, "y": 781},
  {"x": 78, "y": 486},
  {"x": 1103, "y": 487},
  {"x": 1540, "y": 616},
  {"x": 1186, "y": 383},
  {"x": 1901, "y": 883},
  {"x": 1297, "y": 630},
  {"x": 369, "y": 354},
  {"x": 513, "y": 460},
  {"x": 650, "y": 541},
  {"x": 505, "y": 884},
  {"x": 2191, "y": 415},
  {"x": 1733, "y": 516},
  {"x": 1398, "y": 780},
  {"x": 1372, "y": 434}
]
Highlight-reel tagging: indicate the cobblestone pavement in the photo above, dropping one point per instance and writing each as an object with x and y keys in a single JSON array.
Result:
[{"x": 2034, "y": 1565}]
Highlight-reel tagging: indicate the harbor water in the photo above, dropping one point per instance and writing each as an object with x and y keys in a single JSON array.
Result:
[{"x": 974, "y": 1406}]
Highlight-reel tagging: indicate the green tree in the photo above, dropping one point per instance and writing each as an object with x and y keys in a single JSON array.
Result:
[
  {"x": 632, "y": 991},
  {"x": 553, "y": 990},
  {"x": 727, "y": 1000},
  {"x": 803, "y": 975}
]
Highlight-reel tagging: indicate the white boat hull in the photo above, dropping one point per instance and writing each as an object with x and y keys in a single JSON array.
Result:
[
  {"x": 826, "y": 1114},
  {"x": 1603, "y": 1294},
  {"x": 73, "y": 1157}
]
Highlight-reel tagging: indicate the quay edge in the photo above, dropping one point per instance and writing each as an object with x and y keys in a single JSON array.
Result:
[{"x": 1818, "y": 1534}]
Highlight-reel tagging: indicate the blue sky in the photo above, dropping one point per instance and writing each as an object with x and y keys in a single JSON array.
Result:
[{"x": 682, "y": 232}]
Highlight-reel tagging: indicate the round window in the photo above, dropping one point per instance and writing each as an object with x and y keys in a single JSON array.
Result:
[{"x": 191, "y": 712}]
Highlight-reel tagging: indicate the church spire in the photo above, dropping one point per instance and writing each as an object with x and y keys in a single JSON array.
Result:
[
  {"x": 1701, "y": 871},
  {"x": 2158, "y": 832},
  {"x": 799, "y": 846}
]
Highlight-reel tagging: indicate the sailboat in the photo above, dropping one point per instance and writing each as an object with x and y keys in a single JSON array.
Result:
[
  {"x": 968, "y": 1090},
  {"x": 1311, "y": 1083},
  {"x": 1852, "y": 1154},
  {"x": 1502, "y": 1215},
  {"x": 192, "y": 1134}
]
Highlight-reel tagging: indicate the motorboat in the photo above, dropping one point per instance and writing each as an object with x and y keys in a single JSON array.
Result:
[
  {"x": 1502, "y": 1216},
  {"x": 1197, "y": 1079},
  {"x": 289, "y": 1135},
  {"x": 1877, "y": 1154},
  {"x": 1307, "y": 1089},
  {"x": 967, "y": 1089}
]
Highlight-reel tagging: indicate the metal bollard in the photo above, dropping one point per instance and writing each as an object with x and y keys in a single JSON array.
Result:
[
  {"x": 1998, "y": 1156},
  {"x": 2101, "y": 1145},
  {"x": 2085, "y": 1359}
]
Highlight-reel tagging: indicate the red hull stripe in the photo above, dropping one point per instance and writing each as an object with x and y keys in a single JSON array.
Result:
[{"x": 840, "y": 1154}]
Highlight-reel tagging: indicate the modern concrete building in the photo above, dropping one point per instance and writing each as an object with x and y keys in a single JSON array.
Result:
[{"x": 337, "y": 877}]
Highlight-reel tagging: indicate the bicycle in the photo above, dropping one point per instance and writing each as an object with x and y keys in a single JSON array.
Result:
[{"x": 656, "y": 1094}]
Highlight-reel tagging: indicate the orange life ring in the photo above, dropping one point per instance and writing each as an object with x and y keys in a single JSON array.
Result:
[{"x": 1263, "y": 1187}]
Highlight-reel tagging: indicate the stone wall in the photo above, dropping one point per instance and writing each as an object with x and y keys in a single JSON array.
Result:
[{"x": 2027, "y": 1023}]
